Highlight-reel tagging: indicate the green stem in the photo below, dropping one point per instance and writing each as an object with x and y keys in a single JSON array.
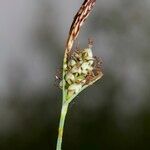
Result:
[{"x": 61, "y": 125}]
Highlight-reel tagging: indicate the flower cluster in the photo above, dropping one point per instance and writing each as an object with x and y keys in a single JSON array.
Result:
[{"x": 81, "y": 69}]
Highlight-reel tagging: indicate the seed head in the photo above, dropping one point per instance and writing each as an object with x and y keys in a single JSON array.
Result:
[{"x": 82, "y": 69}]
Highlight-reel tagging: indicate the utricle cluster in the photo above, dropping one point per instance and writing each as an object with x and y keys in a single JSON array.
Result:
[{"x": 77, "y": 69}]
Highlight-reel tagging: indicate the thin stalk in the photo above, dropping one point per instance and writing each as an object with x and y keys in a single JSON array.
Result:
[{"x": 61, "y": 125}]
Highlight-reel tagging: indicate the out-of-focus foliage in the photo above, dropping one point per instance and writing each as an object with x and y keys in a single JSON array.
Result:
[{"x": 112, "y": 114}]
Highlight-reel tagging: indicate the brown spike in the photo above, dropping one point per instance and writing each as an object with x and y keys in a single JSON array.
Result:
[{"x": 78, "y": 21}]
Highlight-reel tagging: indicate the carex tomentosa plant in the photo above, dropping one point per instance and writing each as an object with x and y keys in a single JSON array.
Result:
[{"x": 80, "y": 68}]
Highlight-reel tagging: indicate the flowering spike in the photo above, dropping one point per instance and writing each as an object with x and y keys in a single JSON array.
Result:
[
  {"x": 80, "y": 62},
  {"x": 80, "y": 68},
  {"x": 78, "y": 21}
]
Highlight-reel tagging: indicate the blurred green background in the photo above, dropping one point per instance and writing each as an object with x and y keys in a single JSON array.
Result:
[{"x": 112, "y": 114}]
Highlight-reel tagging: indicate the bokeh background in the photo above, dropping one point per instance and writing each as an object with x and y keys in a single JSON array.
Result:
[{"x": 112, "y": 114}]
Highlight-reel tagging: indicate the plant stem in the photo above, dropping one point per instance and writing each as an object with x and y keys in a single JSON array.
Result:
[{"x": 61, "y": 124}]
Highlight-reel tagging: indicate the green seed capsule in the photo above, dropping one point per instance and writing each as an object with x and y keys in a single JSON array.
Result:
[
  {"x": 76, "y": 69},
  {"x": 75, "y": 87},
  {"x": 72, "y": 63},
  {"x": 70, "y": 78},
  {"x": 65, "y": 66},
  {"x": 79, "y": 79},
  {"x": 91, "y": 62},
  {"x": 85, "y": 66}
]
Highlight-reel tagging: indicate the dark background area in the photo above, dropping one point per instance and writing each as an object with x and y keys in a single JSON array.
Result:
[{"x": 114, "y": 113}]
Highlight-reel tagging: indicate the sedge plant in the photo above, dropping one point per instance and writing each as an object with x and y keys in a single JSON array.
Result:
[{"x": 80, "y": 68}]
